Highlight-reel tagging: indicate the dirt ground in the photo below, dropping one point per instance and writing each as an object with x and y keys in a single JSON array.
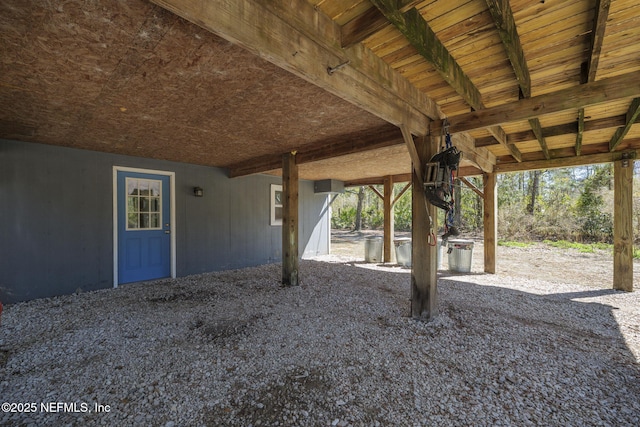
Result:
[{"x": 539, "y": 261}]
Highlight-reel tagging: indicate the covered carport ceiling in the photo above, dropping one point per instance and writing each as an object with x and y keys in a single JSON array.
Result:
[{"x": 236, "y": 84}]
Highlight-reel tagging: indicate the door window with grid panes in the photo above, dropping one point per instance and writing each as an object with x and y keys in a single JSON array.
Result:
[{"x": 144, "y": 204}]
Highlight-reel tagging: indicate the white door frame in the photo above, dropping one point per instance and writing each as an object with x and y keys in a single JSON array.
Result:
[{"x": 172, "y": 186}]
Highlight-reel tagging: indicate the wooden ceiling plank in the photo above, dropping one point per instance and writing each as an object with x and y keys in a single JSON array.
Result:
[
  {"x": 361, "y": 27},
  {"x": 601, "y": 91},
  {"x": 368, "y": 23},
  {"x": 632, "y": 115}
]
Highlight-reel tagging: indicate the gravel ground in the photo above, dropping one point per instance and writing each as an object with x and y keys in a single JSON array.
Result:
[{"x": 236, "y": 349}]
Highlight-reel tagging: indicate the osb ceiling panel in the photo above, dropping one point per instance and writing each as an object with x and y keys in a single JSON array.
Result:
[{"x": 129, "y": 77}]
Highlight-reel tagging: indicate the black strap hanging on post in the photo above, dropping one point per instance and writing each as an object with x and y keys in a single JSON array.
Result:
[{"x": 439, "y": 181}]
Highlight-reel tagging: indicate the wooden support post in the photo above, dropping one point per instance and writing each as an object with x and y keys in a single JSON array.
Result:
[
  {"x": 424, "y": 297},
  {"x": 623, "y": 226},
  {"x": 289, "y": 220},
  {"x": 490, "y": 221},
  {"x": 388, "y": 218}
]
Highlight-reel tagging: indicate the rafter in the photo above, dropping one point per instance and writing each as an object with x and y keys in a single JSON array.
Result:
[
  {"x": 632, "y": 114},
  {"x": 536, "y": 127},
  {"x": 590, "y": 68},
  {"x": 560, "y": 130},
  {"x": 420, "y": 35},
  {"x": 606, "y": 90},
  {"x": 506, "y": 25},
  {"x": 597, "y": 37}
]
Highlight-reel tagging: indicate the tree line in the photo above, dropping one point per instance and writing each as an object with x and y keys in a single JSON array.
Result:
[{"x": 574, "y": 204}]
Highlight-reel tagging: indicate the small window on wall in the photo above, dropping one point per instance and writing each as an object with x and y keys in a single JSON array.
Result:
[
  {"x": 144, "y": 202},
  {"x": 276, "y": 204}
]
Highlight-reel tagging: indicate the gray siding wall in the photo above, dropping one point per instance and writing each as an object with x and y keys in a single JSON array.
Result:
[{"x": 56, "y": 219}]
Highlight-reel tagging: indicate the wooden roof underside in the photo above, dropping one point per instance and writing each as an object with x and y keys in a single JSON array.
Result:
[{"x": 520, "y": 84}]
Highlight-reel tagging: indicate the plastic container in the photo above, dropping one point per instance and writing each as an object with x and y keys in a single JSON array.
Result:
[
  {"x": 460, "y": 252},
  {"x": 373, "y": 249},
  {"x": 403, "y": 251}
]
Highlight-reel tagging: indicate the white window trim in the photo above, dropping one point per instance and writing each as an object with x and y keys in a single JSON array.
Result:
[
  {"x": 172, "y": 209},
  {"x": 274, "y": 189},
  {"x": 162, "y": 198}
]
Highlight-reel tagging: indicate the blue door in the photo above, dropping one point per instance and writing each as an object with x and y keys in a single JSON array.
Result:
[{"x": 144, "y": 226}]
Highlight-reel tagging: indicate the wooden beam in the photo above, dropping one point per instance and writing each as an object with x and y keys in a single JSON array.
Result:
[
  {"x": 385, "y": 136},
  {"x": 500, "y": 136},
  {"x": 416, "y": 158},
  {"x": 632, "y": 114},
  {"x": 469, "y": 171},
  {"x": 290, "y": 259},
  {"x": 295, "y": 36},
  {"x": 400, "y": 194},
  {"x": 606, "y": 90},
  {"x": 537, "y": 130},
  {"x": 506, "y": 25},
  {"x": 388, "y": 218},
  {"x": 590, "y": 68},
  {"x": 424, "y": 290},
  {"x": 471, "y": 186},
  {"x": 368, "y": 23},
  {"x": 564, "y": 162},
  {"x": 623, "y": 226},
  {"x": 490, "y": 218},
  {"x": 597, "y": 37},
  {"x": 483, "y": 159},
  {"x": 559, "y": 130},
  {"x": 420, "y": 35},
  {"x": 378, "y": 180},
  {"x": 377, "y": 193}
]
